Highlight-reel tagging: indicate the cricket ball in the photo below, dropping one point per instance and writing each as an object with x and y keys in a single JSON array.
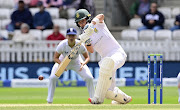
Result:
[{"x": 41, "y": 77}]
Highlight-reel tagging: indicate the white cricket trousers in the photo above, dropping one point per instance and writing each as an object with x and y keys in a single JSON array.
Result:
[{"x": 85, "y": 74}]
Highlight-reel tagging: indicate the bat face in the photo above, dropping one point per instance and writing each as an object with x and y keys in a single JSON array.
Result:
[{"x": 62, "y": 66}]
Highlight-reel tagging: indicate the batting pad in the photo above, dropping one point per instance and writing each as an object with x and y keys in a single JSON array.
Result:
[
  {"x": 105, "y": 78},
  {"x": 117, "y": 95}
]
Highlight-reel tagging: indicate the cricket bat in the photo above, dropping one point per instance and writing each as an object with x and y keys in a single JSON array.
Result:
[{"x": 67, "y": 60}]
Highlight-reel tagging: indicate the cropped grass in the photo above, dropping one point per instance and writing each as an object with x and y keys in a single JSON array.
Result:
[{"x": 76, "y": 98}]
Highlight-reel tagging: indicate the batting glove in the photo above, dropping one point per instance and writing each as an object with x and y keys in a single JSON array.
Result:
[
  {"x": 89, "y": 29},
  {"x": 88, "y": 42},
  {"x": 84, "y": 37}
]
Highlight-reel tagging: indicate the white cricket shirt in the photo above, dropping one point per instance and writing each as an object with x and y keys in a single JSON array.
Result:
[
  {"x": 103, "y": 42},
  {"x": 63, "y": 48}
]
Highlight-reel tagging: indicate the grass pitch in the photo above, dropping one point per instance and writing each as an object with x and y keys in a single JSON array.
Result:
[
  {"x": 89, "y": 107},
  {"x": 76, "y": 98}
]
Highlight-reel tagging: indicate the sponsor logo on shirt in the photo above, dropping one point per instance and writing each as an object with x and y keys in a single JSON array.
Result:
[{"x": 98, "y": 40}]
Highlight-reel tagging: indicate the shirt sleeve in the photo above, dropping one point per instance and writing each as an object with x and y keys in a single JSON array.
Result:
[
  {"x": 59, "y": 48},
  {"x": 83, "y": 49}
]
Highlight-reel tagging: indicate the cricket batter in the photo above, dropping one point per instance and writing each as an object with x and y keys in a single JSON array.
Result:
[
  {"x": 76, "y": 64},
  {"x": 178, "y": 78},
  {"x": 112, "y": 57}
]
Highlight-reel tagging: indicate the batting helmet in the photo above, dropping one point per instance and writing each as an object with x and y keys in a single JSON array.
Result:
[{"x": 82, "y": 14}]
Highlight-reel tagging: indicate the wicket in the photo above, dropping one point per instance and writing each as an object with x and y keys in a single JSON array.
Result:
[{"x": 155, "y": 77}]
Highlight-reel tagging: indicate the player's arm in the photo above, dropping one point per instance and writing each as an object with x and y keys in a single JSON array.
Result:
[
  {"x": 98, "y": 19},
  {"x": 89, "y": 28},
  {"x": 87, "y": 58},
  {"x": 90, "y": 48},
  {"x": 88, "y": 45},
  {"x": 56, "y": 57}
]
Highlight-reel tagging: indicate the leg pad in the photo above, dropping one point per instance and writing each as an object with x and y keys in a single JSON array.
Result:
[{"x": 105, "y": 78}]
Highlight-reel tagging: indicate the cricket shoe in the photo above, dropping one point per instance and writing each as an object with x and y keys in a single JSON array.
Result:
[
  {"x": 126, "y": 99},
  {"x": 49, "y": 102},
  {"x": 94, "y": 101}
]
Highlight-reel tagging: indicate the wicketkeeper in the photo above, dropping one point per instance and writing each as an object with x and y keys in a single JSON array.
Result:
[
  {"x": 76, "y": 64},
  {"x": 112, "y": 57}
]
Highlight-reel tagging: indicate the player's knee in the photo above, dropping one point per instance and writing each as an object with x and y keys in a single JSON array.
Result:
[{"x": 107, "y": 65}]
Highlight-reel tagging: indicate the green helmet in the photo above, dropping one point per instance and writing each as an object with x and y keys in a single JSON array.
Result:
[{"x": 81, "y": 14}]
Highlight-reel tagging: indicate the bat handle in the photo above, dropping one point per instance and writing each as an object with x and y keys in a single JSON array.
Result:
[{"x": 56, "y": 75}]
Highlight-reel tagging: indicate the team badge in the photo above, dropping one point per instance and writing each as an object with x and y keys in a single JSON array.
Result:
[
  {"x": 95, "y": 30},
  {"x": 89, "y": 15},
  {"x": 77, "y": 15}
]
